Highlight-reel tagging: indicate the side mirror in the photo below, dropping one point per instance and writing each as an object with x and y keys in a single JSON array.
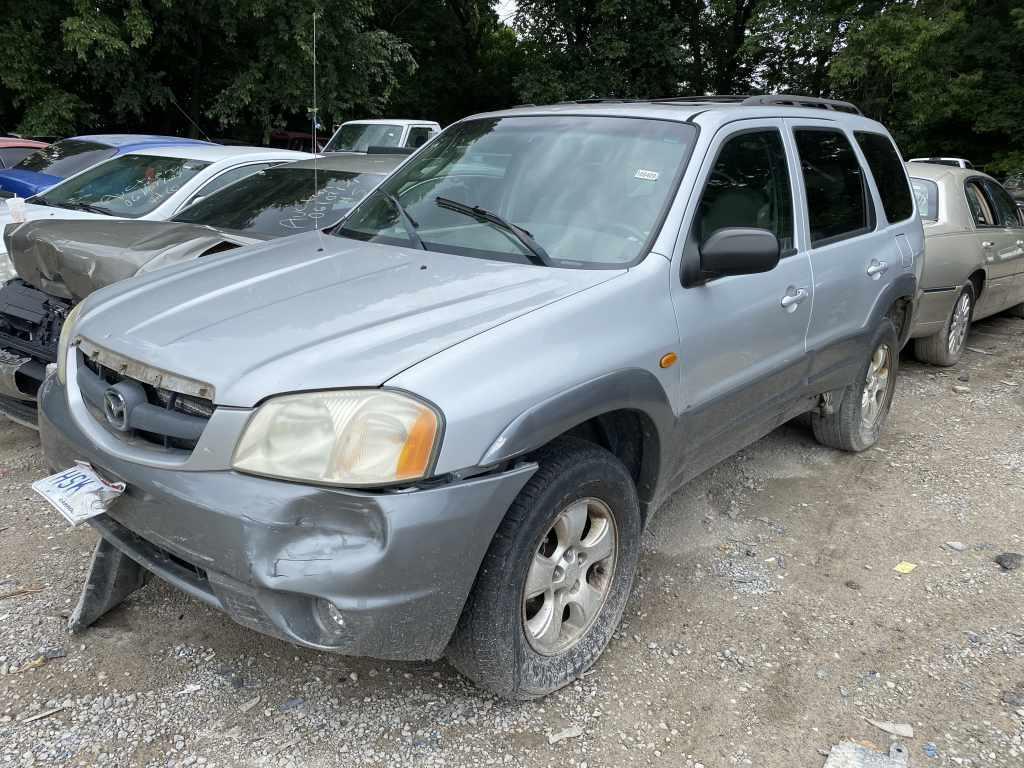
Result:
[{"x": 739, "y": 251}]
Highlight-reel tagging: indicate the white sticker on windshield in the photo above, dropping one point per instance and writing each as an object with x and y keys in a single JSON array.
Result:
[{"x": 646, "y": 175}]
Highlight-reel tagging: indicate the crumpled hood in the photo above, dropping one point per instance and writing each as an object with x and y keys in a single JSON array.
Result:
[
  {"x": 73, "y": 258},
  {"x": 315, "y": 312}
]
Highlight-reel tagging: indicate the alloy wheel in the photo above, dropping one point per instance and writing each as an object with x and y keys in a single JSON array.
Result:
[
  {"x": 958, "y": 324},
  {"x": 876, "y": 385},
  {"x": 570, "y": 576}
]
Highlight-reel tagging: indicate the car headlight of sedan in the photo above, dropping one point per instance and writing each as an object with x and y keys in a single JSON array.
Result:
[
  {"x": 67, "y": 331},
  {"x": 348, "y": 437}
]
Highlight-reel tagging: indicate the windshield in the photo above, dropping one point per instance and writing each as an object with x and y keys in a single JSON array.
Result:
[
  {"x": 129, "y": 186},
  {"x": 66, "y": 158},
  {"x": 282, "y": 201},
  {"x": 927, "y": 194},
  {"x": 358, "y": 137},
  {"x": 590, "y": 191}
]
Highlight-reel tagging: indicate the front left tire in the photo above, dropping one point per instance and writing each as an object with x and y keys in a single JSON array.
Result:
[{"x": 554, "y": 583}]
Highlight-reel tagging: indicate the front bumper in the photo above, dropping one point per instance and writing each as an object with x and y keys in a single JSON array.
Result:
[{"x": 397, "y": 566}]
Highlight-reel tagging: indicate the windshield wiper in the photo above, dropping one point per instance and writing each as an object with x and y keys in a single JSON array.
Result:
[
  {"x": 88, "y": 207},
  {"x": 408, "y": 221},
  {"x": 536, "y": 254}
]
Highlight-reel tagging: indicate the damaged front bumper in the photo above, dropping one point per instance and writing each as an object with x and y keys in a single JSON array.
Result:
[{"x": 383, "y": 575}]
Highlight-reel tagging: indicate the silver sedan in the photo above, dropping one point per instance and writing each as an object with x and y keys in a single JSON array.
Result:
[{"x": 974, "y": 257}]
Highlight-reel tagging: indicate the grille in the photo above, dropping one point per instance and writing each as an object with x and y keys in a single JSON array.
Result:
[{"x": 176, "y": 402}]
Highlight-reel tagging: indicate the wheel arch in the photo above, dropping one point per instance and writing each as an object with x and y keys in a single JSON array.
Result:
[{"x": 625, "y": 411}]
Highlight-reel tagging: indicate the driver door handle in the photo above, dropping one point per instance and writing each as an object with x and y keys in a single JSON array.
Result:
[
  {"x": 877, "y": 268},
  {"x": 794, "y": 297}
]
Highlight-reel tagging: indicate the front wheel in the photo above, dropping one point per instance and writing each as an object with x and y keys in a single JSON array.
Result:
[
  {"x": 855, "y": 424},
  {"x": 945, "y": 347},
  {"x": 554, "y": 583}
]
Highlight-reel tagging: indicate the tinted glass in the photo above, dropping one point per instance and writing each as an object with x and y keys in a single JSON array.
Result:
[
  {"x": 890, "y": 178},
  {"x": 66, "y": 158},
  {"x": 979, "y": 205},
  {"x": 361, "y": 136},
  {"x": 927, "y": 194},
  {"x": 749, "y": 187},
  {"x": 1005, "y": 209},
  {"x": 417, "y": 137},
  {"x": 589, "y": 190},
  {"x": 10, "y": 156},
  {"x": 837, "y": 197},
  {"x": 282, "y": 201},
  {"x": 227, "y": 178},
  {"x": 129, "y": 186}
]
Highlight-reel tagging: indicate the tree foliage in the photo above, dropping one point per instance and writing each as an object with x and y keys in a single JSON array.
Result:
[{"x": 945, "y": 75}]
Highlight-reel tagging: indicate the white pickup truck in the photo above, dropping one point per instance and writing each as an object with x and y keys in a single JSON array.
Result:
[{"x": 361, "y": 135}]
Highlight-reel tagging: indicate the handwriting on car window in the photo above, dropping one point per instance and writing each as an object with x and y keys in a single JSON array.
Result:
[{"x": 316, "y": 211}]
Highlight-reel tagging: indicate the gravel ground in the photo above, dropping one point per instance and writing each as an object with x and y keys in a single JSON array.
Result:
[{"x": 767, "y": 624}]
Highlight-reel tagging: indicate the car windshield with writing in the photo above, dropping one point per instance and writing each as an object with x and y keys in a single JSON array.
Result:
[
  {"x": 566, "y": 191},
  {"x": 66, "y": 158},
  {"x": 282, "y": 201},
  {"x": 359, "y": 137},
  {"x": 130, "y": 186}
]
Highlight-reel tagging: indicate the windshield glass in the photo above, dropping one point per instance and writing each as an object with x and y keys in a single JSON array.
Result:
[
  {"x": 927, "y": 194},
  {"x": 282, "y": 201},
  {"x": 66, "y": 158},
  {"x": 129, "y": 186},
  {"x": 358, "y": 137},
  {"x": 589, "y": 191}
]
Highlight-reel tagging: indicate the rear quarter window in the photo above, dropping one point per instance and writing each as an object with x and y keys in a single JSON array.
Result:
[
  {"x": 927, "y": 194},
  {"x": 838, "y": 203},
  {"x": 887, "y": 170}
]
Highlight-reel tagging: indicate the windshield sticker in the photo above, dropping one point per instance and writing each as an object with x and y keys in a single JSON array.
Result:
[{"x": 646, "y": 175}]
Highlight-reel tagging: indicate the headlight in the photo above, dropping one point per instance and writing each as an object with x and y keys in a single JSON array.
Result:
[
  {"x": 66, "y": 332},
  {"x": 343, "y": 437}
]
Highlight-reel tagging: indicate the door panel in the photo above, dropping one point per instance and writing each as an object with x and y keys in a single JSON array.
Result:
[
  {"x": 741, "y": 337},
  {"x": 1005, "y": 257},
  {"x": 854, "y": 252}
]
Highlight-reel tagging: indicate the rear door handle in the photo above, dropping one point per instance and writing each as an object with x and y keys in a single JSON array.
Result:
[
  {"x": 793, "y": 298},
  {"x": 877, "y": 268}
]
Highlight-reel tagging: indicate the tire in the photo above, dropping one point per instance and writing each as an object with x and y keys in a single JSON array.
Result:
[
  {"x": 945, "y": 347},
  {"x": 499, "y": 643},
  {"x": 849, "y": 427}
]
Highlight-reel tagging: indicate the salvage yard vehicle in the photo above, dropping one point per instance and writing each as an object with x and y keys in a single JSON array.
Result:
[
  {"x": 372, "y": 135},
  {"x": 152, "y": 184},
  {"x": 60, "y": 262},
  {"x": 974, "y": 234},
  {"x": 50, "y": 165},
  {"x": 441, "y": 428}
]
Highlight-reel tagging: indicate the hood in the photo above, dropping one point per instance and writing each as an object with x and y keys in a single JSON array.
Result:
[
  {"x": 26, "y": 183},
  {"x": 315, "y": 312},
  {"x": 71, "y": 259}
]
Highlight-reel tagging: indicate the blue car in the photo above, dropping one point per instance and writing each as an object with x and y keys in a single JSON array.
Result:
[{"x": 41, "y": 170}]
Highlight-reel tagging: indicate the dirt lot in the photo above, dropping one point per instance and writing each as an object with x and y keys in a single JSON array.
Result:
[{"x": 767, "y": 625}]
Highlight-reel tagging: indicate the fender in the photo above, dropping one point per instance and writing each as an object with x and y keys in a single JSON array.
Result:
[
  {"x": 903, "y": 286},
  {"x": 633, "y": 389}
]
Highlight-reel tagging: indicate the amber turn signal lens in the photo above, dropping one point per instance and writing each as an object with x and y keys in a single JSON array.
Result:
[
  {"x": 667, "y": 361},
  {"x": 415, "y": 456}
]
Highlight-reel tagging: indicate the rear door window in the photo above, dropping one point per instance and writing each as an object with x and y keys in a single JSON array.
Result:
[
  {"x": 418, "y": 136},
  {"x": 749, "y": 187},
  {"x": 1006, "y": 211},
  {"x": 838, "y": 203},
  {"x": 981, "y": 212},
  {"x": 890, "y": 178}
]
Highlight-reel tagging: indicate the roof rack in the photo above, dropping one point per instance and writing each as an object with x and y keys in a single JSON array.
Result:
[{"x": 766, "y": 100}]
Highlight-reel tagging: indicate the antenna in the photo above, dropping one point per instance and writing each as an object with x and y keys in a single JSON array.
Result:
[{"x": 316, "y": 147}]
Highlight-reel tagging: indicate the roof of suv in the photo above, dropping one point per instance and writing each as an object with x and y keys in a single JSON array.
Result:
[{"x": 685, "y": 108}]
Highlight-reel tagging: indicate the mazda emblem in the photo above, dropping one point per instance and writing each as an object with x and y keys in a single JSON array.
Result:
[{"x": 115, "y": 409}]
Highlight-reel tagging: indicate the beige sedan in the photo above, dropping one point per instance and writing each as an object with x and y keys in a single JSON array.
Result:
[{"x": 974, "y": 257}]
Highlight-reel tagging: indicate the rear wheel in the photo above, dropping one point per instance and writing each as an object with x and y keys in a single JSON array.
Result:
[
  {"x": 554, "y": 583},
  {"x": 856, "y": 422},
  {"x": 945, "y": 347}
]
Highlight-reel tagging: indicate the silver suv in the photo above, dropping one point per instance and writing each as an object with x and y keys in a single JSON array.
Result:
[{"x": 440, "y": 427}]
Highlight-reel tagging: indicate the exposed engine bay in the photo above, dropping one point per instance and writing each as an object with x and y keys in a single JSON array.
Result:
[{"x": 30, "y": 323}]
